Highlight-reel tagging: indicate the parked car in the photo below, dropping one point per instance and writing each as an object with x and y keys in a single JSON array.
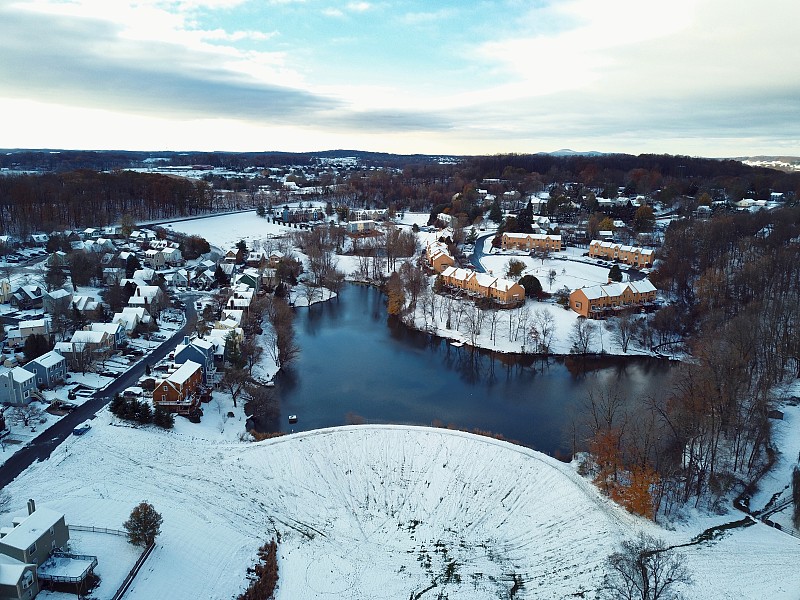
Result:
[{"x": 81, "y": 429}]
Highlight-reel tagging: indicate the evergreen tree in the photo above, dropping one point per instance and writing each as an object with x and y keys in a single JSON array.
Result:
[
  {"x": 615, "y": 273},
  {"x": 495, "y": 214},
  {"x": 163, "y": 418},
  {"x": 144, "y": 525},
  {"x": 35, "y": 346}
]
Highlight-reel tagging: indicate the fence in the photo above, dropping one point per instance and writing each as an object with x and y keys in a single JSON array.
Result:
[
  {"x": 99, "y": 530},
  {"x": 133, "y": 572}
]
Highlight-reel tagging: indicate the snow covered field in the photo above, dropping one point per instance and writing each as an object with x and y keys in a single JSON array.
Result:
[{"x": 373, "y": 512}]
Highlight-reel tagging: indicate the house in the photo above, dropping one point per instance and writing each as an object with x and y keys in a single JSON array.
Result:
[
  {"x": 5, "y": 291},
  {"x": 27, "y": 297},
  {"x": 148, "y": 297},
  {"x": 91, "y": 233},
  {"x": 447, "y": 220},
  {"x": 275, "y": 257},
  {"x": 180, "y": 391},
  {"x": 39, "y": 239},
  {"x": 531, "y": 242},
  {"x": 41, "y": 327},
  {"x": 233, "y": 256},
  {"x": 85, "y": 305},
  {"x": 256, "y": 258},
  {"x": 85, "y": 343},
  {"x": 26, "y": 546},
  {"x": 116, "y": 332},
  {"x": 154, "y": 259},
  {"x": 360, "y": 227},
  {"x": 503, "y": 291},
  {"x": 630, "y": 255},
  {"x": 49, "y": 369},
  {"x": 130, "y": 317},
  {"x": 17, "y": 387},
  {"x": 55, "y": 301},
  {"x": 439, "y": 256},
  {"x": 599, "y": 299},
  {"x": 113, "y": 275},
  {"x": 17, "y": 579},
  {"x": 172, "y": 256},
  {"x": 178, "y": 279},
  {"x": 199, "y": 351}
]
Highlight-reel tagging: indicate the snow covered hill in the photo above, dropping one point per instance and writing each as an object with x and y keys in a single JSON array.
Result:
[{"x": 363, "y": 512}]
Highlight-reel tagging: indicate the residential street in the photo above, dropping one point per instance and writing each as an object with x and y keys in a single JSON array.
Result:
[{"x": 41, "y": 447}]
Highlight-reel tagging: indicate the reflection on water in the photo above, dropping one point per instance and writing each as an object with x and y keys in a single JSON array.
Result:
[{"x": 355, "y": 362}]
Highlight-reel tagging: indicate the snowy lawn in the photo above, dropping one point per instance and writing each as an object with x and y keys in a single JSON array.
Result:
[
  {"x": 372, "y": 512},
  {"x": 226, "y": 231}
]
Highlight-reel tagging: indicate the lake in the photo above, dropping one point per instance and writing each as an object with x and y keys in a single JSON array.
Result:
[{"x": 355, "y": 365}]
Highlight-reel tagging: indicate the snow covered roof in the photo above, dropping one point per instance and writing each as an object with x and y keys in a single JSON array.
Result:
[
  {"x": 31, "y": 528},
  {"x": 184, "y": 372},
  {"x": 11, "y": 570},
  {"x": 21, "y": 375},
  {"x": 88, "y": 337},
  {"x": 59, "y": 293},
  {"x": 110, "y": 328},
  {"x": 50, "y": 359}
]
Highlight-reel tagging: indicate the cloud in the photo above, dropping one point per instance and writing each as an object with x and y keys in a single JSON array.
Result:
[
  {"x": 358, "y": 6},
  {"x": 333, "y": 12},
  {"x": 425, "y": 18},
  {"x": 236, "y": 36},
  {"x": 89, "y": 62}
]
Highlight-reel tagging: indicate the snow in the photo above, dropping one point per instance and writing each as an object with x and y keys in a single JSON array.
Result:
[
  {"x": 370, "y": 512},
  {"x": 226, "y": 231}
]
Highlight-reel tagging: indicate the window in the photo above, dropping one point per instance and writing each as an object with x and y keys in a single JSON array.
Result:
[
  {"x": 27, "y": 580},
  {"x": 32, "y": 549}
]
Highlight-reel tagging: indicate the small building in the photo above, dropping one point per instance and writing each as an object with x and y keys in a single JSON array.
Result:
[{"x": 17, "y": 579}]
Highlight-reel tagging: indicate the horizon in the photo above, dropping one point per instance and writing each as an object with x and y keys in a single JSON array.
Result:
[{"x": 696, "y": 77}]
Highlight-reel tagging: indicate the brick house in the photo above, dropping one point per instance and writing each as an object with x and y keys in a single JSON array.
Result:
[
  {"x": 630, "y": 255},
  {"x": 531, "y": 241},
  {"x": 179, "y": 392},
  {"x": 598, "y": 299},
  {"x": 501, "y": 290}
]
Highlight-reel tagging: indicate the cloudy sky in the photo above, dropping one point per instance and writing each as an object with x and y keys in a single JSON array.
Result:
[{"x": 698, "y": 77}]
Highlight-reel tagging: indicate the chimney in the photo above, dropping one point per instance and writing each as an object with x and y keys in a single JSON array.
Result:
[
  {"x": 31, "y": 507},
  {"x": 186, "y": 340}
]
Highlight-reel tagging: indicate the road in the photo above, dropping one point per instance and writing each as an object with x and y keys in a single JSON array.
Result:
[
  {"x": 477, "y": 254},
  {"x": 42, "y": 446}
]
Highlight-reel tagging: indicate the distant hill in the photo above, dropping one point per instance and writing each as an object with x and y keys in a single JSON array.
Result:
[
  {"x": 568, "y": 152},
  {"x": 789, "y": 164}
]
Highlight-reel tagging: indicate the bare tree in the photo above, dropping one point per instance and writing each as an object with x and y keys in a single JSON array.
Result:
[
  {"x": 551, "y": 278},
  {"x": 27, "y": 414},
  {"x": 234, "y": 382},
  {"x": 645, "y": 569},
  {"x": 582, "y": 335},
  {"x": 623, "y": 329},
  {"x": 542, "y": 331}
]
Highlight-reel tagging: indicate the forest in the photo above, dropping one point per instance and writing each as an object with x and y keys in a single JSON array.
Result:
[
  {"x": 734, "y": 291},
  {"x": 83, "y": 189}
]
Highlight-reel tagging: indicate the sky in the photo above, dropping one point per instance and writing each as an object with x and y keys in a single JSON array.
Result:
[{"x": 696, "y": 77}]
